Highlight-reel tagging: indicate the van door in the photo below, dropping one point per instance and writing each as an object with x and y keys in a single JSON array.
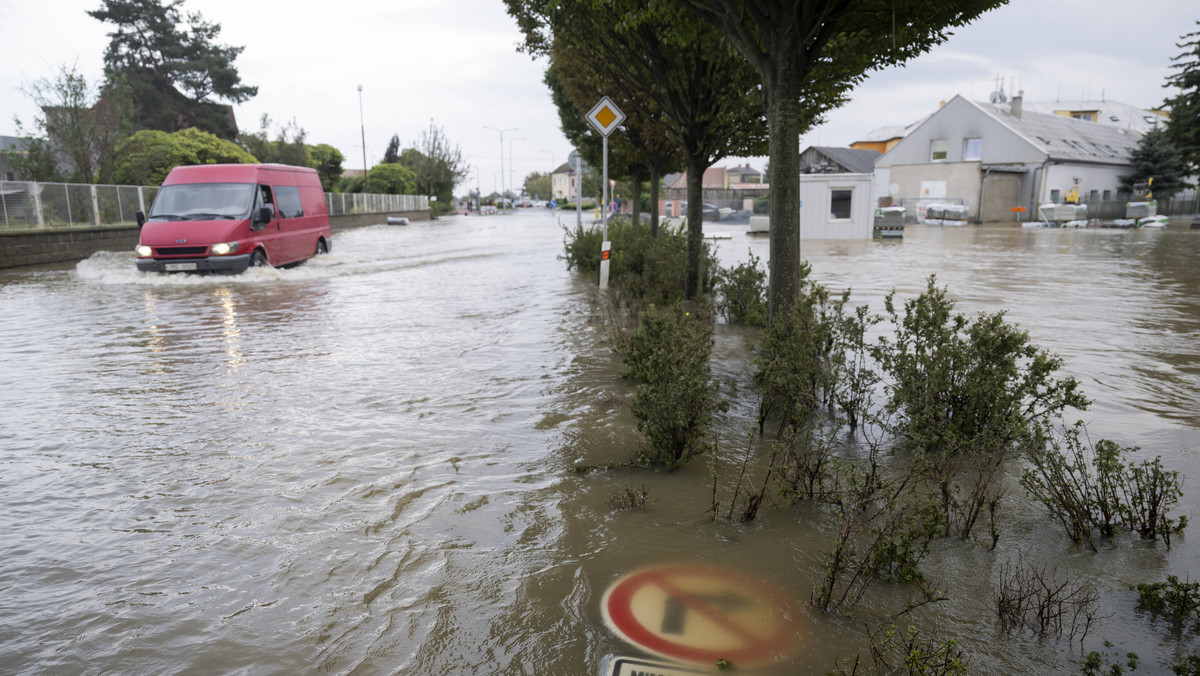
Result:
[
  {"x": 291, "y": 217},
  {"x": 268, "y": 234}
]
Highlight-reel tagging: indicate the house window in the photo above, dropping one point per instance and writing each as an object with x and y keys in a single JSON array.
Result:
[
  {"x": 839, "y": 204},
  {"x": 937, "y": 150},
  {"x": 1093, "y": 195},
  {"x": 1054, "y": 196},
  {"x": 1107, "y": 195},
  {"x": 10, "y": 176},
  {"x": 972, "y": 149}
]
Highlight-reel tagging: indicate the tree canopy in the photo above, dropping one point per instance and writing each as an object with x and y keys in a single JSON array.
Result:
[
  {"x": 1183, "y": 129},
  {"x": 79, "y": 127},
  {"x": 177, "y": 74},
  {"x": 1157, "y": 158},
  {"x": 808, "y": 55},
  {"x": 146, "y": 157},
  {"x": 437, "y": 166}
]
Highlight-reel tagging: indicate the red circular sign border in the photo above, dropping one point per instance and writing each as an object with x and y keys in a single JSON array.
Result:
[{"x": 619, "y": 616}]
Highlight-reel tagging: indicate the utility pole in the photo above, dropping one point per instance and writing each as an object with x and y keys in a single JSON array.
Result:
[{"x": 501, "y": 131}]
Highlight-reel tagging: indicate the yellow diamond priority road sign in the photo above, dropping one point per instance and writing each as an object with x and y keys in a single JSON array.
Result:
[{"x": 605, "y": 116}]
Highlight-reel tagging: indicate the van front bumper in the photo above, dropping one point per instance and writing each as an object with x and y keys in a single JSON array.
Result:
[{"x": 229, "y": 264}]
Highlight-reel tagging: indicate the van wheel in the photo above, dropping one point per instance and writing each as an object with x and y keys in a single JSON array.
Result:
[
  {"x": 322, "y": 247},
  {"x": 258, "y": 259}
]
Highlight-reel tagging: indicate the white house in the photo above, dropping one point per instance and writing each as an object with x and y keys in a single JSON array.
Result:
[
  {"x": 832, "y": 206},
  {"x": 1002, "y": 161}
]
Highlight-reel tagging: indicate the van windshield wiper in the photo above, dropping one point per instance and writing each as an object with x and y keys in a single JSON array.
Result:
[
  {"x": 165, "y": 217},
  {"x": 208, "y": 217}
]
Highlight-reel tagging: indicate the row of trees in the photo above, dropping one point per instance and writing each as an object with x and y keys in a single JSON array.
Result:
[
  {"x": 701, "y": 80},
  {"x": 166, "y": 99}
]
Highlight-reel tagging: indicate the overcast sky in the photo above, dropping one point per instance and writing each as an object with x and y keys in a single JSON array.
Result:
[{"x": 454, "y": 62}]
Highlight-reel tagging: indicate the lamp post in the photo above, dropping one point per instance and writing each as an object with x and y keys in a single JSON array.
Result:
[
  {"x": 501, "y": 131},
  {"x": 512, "y": 184},
  {"x": 363, "y": 126}
]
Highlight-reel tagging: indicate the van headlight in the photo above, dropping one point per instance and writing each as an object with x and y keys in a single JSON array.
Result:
[
  {"x": 143, "y": 251},
  {"x": 224, "y": 248}
]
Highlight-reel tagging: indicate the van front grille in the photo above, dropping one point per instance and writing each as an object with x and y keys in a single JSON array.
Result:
[{"x": 182, "y": 250}]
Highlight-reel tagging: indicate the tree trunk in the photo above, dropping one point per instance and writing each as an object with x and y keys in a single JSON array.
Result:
[
  {"x": 654, "y": 181},
  {"x": 635, "y": 195},
  {"x": 695, "y": 225},
  {"x": 783, "y": 121}
]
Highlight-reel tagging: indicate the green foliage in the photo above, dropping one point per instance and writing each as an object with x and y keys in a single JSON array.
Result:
[
  {"x": 1110, "y": 496},
  {"x": 1186, "y": 665},
  {"x": 642, "y": 269},
  {"x": 791, "y": 371},
  {"x": 538, "y": 184},
  {"x": 894, "y": 652},
  {"x": 1183, "y": 128},
  {"x": 391, "y": 179},
  {"x": 1156, "y": 157},
  {"x": 175, "y": 71},
  {"x": 1178, "y": 602},
  {"x": 1103, "y": 664},
  {"x": 327, "y": 160},
  {"x": 436, "y": 165},
  {"x": 287, "y": 147},
  {"x": 676, "y": 399},
  {"x": 964, "y": 394},
  {"x": 742, "y": 293},
  {"x": 149, "y": 155}
]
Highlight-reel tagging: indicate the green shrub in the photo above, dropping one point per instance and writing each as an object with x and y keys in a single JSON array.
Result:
[
  {"x": 676, "y": 399},
  {"x": 1176, "y": 601},
  {"x": 742, "y": 293},
  {"x": 790, "y": 367},
  {"x": 1107, "y": 497}
]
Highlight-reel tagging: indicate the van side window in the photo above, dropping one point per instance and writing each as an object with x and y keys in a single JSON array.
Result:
[
  {"x": 264, "y": 198},
  {"x": 288, "y": 197}
]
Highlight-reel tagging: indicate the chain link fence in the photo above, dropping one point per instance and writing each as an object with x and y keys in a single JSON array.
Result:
[{"x": 28, "y": 205}]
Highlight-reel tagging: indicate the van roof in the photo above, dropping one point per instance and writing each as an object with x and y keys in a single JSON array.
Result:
[{"x": 280, "y": 174}]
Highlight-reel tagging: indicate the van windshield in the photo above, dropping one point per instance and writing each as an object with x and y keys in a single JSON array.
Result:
[{"x": 203, "y": 202}]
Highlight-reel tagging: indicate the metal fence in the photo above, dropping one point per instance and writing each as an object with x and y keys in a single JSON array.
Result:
[{"x": 28, "y": 205}]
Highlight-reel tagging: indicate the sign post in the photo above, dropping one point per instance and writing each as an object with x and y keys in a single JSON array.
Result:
[{"x": 605, "y": 116}]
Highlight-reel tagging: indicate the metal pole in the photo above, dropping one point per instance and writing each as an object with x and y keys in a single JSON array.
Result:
[
  {"x": 578, "y": 189},
  {"x": 605, "y": 245},
  {"x": 512, "y": 185},
  {"x": 501, "y": 131},
  {"x": 363, "y": 126}
]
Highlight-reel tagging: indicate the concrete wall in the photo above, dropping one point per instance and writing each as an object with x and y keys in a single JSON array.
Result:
[{"x": 42, "y": 247}]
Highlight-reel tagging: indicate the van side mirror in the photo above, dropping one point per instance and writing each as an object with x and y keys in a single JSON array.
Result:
[
  {"x": 261, "y": 218},
  {"x": 140, "y": 218}
]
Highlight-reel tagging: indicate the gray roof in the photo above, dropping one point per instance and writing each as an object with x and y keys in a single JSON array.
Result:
[
  {"x": 853, "y": 160},
  {"x": 1068, "y": 139},
  {"x": 11, "y": 143},
  {"x": 1111, "y": 113}
]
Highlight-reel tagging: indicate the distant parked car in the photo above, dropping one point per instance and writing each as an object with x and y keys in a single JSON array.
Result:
[{"x": 708, "y": 212}]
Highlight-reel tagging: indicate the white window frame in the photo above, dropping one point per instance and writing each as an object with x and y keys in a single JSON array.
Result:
[
  {"x": 933, "y": 150},
  {"x": 850, "y": 200},
  {"x": 978, "y": 155}
]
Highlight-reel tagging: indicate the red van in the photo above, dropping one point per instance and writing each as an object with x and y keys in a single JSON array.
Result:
[{"x": 228, "y": 217}]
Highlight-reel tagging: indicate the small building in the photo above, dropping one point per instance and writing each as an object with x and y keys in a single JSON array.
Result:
[
  {"x": 1001, "y": 160},
  {"x": 837, "y": 206},
  {"x": 564, "y": 182}
]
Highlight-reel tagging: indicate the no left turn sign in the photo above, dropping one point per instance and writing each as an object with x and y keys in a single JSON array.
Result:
[{"x": 702, "y": 614}]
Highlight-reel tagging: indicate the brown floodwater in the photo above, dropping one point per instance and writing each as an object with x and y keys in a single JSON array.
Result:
[{"x": 365, "y": 464}]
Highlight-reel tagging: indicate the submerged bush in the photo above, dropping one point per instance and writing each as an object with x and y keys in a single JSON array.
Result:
[
  {"x": 1093, "y": 492},
  {"x": 643, "y": 269},
  {"x": 676, "y": 399},
  {"x": 742, "y": 293},
  {"x": 1178, "y": 602}
]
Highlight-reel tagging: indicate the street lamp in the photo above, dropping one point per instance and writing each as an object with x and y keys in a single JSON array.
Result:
[
  {"x": 501, "y": 158},
  {"x": 512, "y": 184},
  {"x": 363, "y": 126}
]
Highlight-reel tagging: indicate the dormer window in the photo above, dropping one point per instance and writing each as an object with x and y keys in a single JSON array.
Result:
[{"x": 1114, "y": 118}]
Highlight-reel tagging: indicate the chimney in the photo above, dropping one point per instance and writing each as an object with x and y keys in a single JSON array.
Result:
[{"x": 1014, "y": 109}]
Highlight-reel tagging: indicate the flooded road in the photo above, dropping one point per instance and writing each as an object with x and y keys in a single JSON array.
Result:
[{"x": 365, "y": 464}]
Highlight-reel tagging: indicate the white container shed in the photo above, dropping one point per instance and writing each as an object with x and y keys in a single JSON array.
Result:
[{"x": 837, "y": 206}]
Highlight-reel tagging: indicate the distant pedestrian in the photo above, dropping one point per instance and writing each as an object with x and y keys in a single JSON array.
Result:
[{"x": 618, "y": 203}]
